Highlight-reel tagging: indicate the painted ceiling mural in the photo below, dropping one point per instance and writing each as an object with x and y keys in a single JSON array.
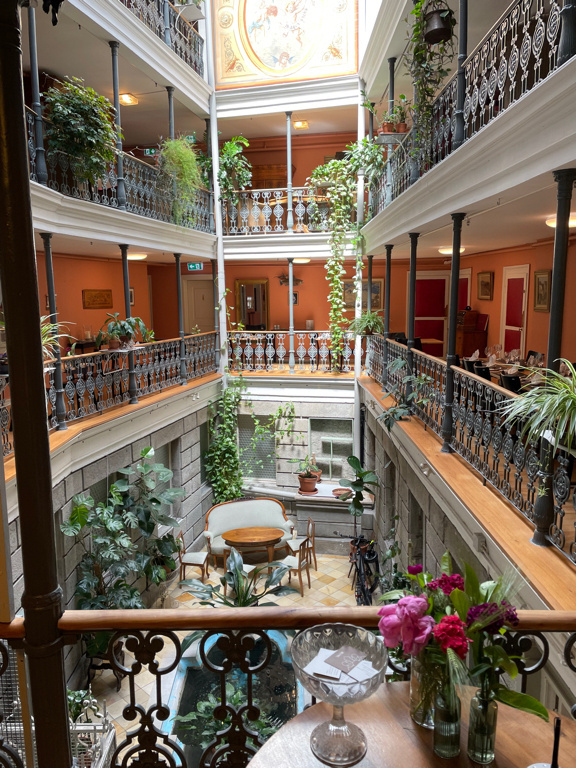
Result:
[{"x": 263, "y": 41}]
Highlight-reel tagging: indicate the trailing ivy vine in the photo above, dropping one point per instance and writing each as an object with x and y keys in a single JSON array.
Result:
[{"x": 179, "y": 159}]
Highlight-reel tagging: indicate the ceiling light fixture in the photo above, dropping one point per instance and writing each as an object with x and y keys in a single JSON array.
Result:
[
  {"x": 301, "y": 125},
  {"x": 137, "y": 256},
  {"x": 301, "y": 261},
  {"x": 447, "y": 250},
  {"x": 128, "y": 100},
  {"x": 551, "y": 222}
]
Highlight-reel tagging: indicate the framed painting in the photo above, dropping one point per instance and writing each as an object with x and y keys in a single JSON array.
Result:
[
  {"x": 485, "y": 286},
  {"x": 542, "y": 287},
  {"x": 93, "y": 298},
  {"x": 377, "y": 294},
  {"x": 131, "y": 297}
]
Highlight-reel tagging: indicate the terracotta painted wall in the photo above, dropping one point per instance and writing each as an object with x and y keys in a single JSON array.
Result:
[
  {"x": 164, "y": 301},
  {"x": 74, "y": 274}
]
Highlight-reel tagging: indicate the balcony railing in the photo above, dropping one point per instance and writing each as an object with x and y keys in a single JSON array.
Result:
[
  {"x": 269, "y": 351},
  {"x": 98, "y": 381},
  {"x": 265, "y": 211},
  {"x": 497, "y": 451},
  {"x": 165, "y": 21},
  {"x": 539, "y": 637},
  {"x": 515, "y": 55},
  {"x": 149, "y": 191}
]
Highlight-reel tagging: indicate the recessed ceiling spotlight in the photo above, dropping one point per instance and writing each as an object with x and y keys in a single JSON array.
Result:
[
  {"x": 137, "y": 256},
  {"x": 447, "y": 250},
  {"x": 301, "y": 261},
  {"x": 301, "y": 125},
  {"x": 551, "y": 222},
  {"x": 128, "y": 100}
]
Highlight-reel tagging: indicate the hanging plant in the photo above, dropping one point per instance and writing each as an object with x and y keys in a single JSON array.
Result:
[
  {"x": 81, "y": 124},
  {"x": 340, "y": 183},
  {"x": 178, "y": 158},
  {"x": 429, "y": 65},
  {"x": 235, "y": 171}
]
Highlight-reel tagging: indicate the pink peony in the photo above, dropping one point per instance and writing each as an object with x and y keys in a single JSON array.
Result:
[{"x": 407, "y": 623}]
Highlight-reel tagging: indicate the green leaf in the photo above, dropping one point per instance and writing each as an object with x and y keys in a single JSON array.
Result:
[
  {"x": 446, "y": 563},
  {"x": 354, "y": 463},
  {"x": 472, "y": 585},
  {"x": 461, "y": 603},
  {"x": 522, "y": 701}
]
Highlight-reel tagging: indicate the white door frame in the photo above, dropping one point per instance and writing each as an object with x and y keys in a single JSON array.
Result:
[
  {"x": 467, "y": 273},
  {"x": 443, "y": 274},
  {"x": 520, "y": 270}
]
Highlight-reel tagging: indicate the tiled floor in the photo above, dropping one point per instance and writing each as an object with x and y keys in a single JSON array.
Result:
[{"x": 330, "y": 586}]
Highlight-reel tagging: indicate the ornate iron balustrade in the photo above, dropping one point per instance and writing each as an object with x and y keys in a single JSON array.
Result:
[
  {"x": 429, "y": 403},
  {"x": 149, "y": 191},
  {"x": 376, "y": 357},
  {"x": 164, "y": 20},
  {"x": 515, "y": 55},
  {"x": 395, "y": 378},
  {"x": 265, "y": 211},
  {"x": 269, "y": 350},
  {"x": 98, "y": 381},
  {"x": 540, "y": 636}
]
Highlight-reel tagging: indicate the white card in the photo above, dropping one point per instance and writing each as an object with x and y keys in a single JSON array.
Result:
[{"x": 319, "y": 668}]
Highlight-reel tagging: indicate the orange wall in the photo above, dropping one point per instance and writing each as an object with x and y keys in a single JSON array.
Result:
[
  {"x": 308, "y": 151},
  {"x": 164, "y": 296},
  {"x": 74, "y": 274}
]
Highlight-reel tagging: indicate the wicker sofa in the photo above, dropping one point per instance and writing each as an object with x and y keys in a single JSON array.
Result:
[{"x": 244, "y": 513}]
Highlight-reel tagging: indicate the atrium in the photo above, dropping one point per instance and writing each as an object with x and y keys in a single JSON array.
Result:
[{"x": 311, "y": 224}]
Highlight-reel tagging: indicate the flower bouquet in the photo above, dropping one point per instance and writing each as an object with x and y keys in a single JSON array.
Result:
[{"x": 437, "y": 623}]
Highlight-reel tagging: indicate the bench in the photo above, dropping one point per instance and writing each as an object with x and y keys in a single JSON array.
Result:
[{"x": 244, "y": 513}]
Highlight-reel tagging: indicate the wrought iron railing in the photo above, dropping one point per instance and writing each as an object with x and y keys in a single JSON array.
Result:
[
  {"x": 149, "y": 191},
  {"x": 165, "y": 21},
  {"x": 515, "y": 55},
  {"x": 269, "y": 350},
  {"x": 265, "y": 211},
  {"x": 498, "y": 451},
  {"x": 248, "y": 646}
]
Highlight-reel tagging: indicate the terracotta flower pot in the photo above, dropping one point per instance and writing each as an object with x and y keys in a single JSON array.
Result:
[
  {"x": 114, "y": 344},
  {"x": 388, "y": 128},
  {"x": 307, "y": 484},
  {"x": 318, "y": 475},
  {"x": 401, "y": 127}
]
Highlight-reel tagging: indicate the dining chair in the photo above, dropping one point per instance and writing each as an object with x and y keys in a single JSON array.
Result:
[
  {"x": 468, "y": 365},
  {"x": 483, "y": 371},
  {"x": 510, "y": 381},
  {"x": 294, "y": 544},
  {"x": 196, "y": 559},
  {"x": 297, "y": 564}
]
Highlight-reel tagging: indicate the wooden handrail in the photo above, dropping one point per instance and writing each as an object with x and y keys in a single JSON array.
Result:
[{"x": 254, "y": 618}]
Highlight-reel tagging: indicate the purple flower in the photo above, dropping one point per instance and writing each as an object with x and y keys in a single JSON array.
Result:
[
  {"x": 503, "y": 613},
  {"x": 414, "y": 570}
]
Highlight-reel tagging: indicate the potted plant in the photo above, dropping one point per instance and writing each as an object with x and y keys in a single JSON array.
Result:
[
  {"x": 402, "y": 110},
  {"x": 122, "y": 332},
  {"x": 386, "y": 123},
  {"x": 178, "y": 158},
  {"x": 367, "y": 155},
  {"x": 439, "y": 20},
  {"x": 307, "y": 474},
  {"x": 81, "y": 124},
  {"x": 357, "y": 488},
  {"x": 235, "y": 171},
  {"x": 366, "y": 324}
]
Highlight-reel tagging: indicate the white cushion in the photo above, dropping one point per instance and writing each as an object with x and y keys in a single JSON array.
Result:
[
  {"x": 294, "y": 544},
  {"x": 246, "y": 513},
  {"x": 194, "y": 558},
  {"x": 290, "y": 561}
]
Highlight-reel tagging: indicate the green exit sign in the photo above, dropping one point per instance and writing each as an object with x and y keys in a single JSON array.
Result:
[
  {"x": 195, "y": 266},
  {"x": 150, "y": 151}
]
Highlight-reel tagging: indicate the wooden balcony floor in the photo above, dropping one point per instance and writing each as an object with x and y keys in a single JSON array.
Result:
[
  {"x": 283, "y": 370},
  {"x": 330, "y": 586}
]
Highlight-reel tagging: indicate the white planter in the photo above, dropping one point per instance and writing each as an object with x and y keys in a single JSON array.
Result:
[{"x": 189, "y": 11}]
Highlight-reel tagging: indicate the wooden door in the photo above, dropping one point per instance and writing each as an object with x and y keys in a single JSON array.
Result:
[
  {"x": 432, "y": 294},
  {"x": 514, "y": 298},
  {"x": 198, "y": 299}
]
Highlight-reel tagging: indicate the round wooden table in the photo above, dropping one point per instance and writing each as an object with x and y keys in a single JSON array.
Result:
[
  {"x": 394, "y": 741},
  {"x": 254, "y": 539}
]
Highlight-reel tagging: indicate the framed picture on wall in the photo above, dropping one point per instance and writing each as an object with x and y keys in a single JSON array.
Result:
[
  {"x": 295, "y": 298},
  {"x": 486, "y": 286},
  {"x": 377, "y": 294},
  {"x": 542, "y": 287},
  {"x": 131, "y": 297},
  {"x": 93, "y": 298}
]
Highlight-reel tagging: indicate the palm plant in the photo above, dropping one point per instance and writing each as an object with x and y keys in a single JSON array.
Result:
[{"x": 548, "y": 410}]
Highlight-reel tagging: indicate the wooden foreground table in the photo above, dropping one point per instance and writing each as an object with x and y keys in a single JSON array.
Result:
[
  {"x": 394, "y": 741},
  {"x": 254, "y": 539}
]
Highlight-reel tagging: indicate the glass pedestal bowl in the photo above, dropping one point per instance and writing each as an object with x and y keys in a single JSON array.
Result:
[{"x": 337, "y": 742}]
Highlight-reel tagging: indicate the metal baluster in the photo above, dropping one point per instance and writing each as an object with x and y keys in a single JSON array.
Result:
[{"x": 114, "y": 46}]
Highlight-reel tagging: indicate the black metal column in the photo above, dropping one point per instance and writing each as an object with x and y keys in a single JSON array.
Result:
[
  {"x": 132, "y": 389},
  {"x": 411, "y": 305},
  {"x": 451, "y": 357},
  {"x": 60, "y": 404},
  {"x": 391, "y": 95},
  {"x": 216, "y": 313},
  {"x": 387, "y": 312},
  {"x": 177, "y": 257},
  {"x": 461, "y": 81},
  {"x": 41, "y": 170},
  {"x": 544, "y": 505},
  {"x": 370, "y": 258},
  {"x": 166, "y": 19},
  {"x": 171, "y": 128},
  {"x": 42, "y": 599},
  {"x": 120, "y": 186},
  {"x": 567, "y": 44}
]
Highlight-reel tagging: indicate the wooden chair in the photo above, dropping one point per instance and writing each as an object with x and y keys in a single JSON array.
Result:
[
  {"x": 299, "y": 563},
  {"x": 294, "y": 544},
  {"x": 196, "y": 559}
]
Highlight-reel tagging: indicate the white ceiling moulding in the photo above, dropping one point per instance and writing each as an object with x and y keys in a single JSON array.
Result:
[
  {"x": 113, "y": 21},
  {"x": 387, "y": 38},
  {"x": 295, "y": 97},
  {"x": 61, "y": 215},
  {"x": 504, "y": 155},
  {"x": 262, "y": 247}
]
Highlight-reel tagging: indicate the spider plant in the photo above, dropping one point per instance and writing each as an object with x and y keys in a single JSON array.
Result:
[{"x": 549, "y": 409}]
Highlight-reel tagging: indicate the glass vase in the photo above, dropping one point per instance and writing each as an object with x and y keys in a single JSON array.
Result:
[
  {"x": 482, "y": 727},
  {"x": 421, "y": 699},
  {"x": 447, "y": 724}
]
